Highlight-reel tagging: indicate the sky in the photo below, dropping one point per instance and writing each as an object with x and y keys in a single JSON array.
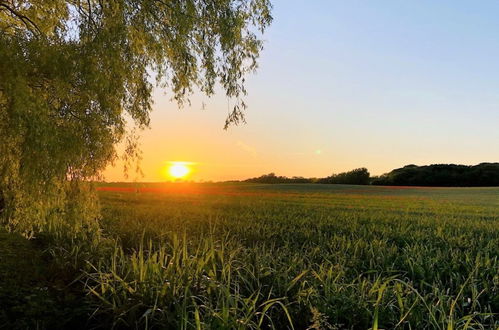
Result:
[{"x": 342, "y": 85}]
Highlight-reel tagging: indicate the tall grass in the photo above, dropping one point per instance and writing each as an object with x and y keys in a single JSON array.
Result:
[
  {"x": 285, "y": 257},
  {"x": 177, "y": 287}
]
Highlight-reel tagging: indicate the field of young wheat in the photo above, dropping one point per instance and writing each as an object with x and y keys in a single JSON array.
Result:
[{"x": 229, "y": 256}]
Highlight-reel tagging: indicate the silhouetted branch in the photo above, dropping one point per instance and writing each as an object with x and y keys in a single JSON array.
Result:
[{"x": 25, "y": 19}]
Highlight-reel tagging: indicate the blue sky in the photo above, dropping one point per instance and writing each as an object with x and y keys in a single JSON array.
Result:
[{"x": 345, "y": 84}]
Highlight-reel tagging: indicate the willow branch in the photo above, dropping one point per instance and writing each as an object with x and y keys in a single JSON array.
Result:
[{"x": 25, "y": 19}]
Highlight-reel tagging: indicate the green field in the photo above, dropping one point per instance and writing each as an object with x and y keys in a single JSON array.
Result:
[
  {"x": 226, "y": 256},
  {"x": 324, "y": 256}
]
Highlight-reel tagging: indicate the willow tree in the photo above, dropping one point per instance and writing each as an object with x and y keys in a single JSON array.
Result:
[{"x": 75, "y": 74}]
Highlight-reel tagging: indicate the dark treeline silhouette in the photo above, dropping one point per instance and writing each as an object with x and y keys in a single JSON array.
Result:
[
  {"x": 443, "y": 175},
  {"x": 357, "y": 176},
  {"x": 272, "y": 178}
]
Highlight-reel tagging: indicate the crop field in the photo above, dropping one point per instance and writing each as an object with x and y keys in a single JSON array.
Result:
[{"x": 298, "y": 256}]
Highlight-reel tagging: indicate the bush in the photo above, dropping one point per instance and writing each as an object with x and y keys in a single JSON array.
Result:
[
  {"x": 481, "y": 175},
  {"x": 359, "y": 176},
  {"x": 272, "y": 178}
]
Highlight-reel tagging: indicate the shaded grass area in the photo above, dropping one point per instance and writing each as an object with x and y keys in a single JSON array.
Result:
[{"x": 34, "y": 292}]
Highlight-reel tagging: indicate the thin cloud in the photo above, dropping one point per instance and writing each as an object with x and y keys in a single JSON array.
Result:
[{"x": 249, "y": 149}]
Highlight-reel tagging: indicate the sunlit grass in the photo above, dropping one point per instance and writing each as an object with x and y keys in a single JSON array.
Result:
[{"x": 256, "y": 256}]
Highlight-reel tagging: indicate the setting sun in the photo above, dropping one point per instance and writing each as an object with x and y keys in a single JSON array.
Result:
[{"x": 179, "y": 170}]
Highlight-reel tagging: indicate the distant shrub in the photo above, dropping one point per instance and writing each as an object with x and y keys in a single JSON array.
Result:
[
  {"x": 481, "y": 175},
  {"x": 359, "y": 176},
  {"x": 272, "y": 178}
]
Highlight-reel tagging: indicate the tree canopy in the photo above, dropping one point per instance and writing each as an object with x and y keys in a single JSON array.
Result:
[
  {"x": 75, "y": 74},
  {"x": 356, "y": 176},
  {"x": 441, "y": 175},
  {"x": 273, "y": 178}
]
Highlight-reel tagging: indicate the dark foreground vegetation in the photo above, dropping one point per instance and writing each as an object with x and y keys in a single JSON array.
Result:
[
  {"x": 437, "y": 175},
  {"x": 250, "y": 256}
]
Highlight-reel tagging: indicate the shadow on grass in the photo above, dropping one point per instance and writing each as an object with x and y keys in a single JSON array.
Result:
[{"x": 34, "y": 293}]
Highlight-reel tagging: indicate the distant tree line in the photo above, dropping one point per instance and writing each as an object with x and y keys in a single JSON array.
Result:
[
  {"x": 443, "y": 175},
  {"x": 272, "y": 178},
  {"x": 357, "y": 176},
  {"x": 437, "y": 175}
]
